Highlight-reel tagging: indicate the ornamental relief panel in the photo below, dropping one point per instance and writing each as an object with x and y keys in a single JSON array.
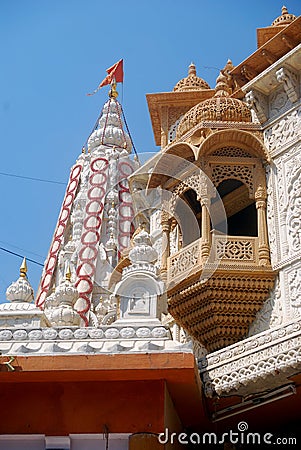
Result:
[
  {"x": 294, "y": 291},
  {"x": 272, "y": 216},
  {"x": 285, "y": 130},
  {"x": 271, "y": 314},
  {"x": 283, "y": 205},
  {"x": 294, "y": 204},
  {"x": 278, "y": 102}
]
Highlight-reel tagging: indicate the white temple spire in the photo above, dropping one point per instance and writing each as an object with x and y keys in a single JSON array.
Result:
[{"x": 96, "y": 217}]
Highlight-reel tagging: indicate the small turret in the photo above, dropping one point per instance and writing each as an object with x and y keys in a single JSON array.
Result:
[{"x": 20, "y": 308}]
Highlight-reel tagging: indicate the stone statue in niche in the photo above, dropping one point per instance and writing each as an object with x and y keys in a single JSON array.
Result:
[
  {"x": 140, "y": 287},
  {"x": 139, "y": 303}
]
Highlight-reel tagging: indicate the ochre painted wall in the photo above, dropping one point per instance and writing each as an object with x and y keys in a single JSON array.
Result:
[{"x": 60, "y": 408}]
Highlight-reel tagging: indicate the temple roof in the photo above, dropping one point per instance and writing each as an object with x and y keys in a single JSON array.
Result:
[
  {"x": 192, "y": 82},
  {"x": 221, "y": 107},
  {"x": 273, "y": 43},
  {"x": 284, "y": 19}
]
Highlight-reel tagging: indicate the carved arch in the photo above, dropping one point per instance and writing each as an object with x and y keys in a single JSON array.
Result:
[
  {"x": 171, "y": 162},
  {"x": 233, "y": 137},
  {"x": 192, "y": 182},
  {"x": 238, "y": 172}
]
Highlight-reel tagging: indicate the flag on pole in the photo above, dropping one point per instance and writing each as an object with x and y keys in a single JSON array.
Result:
[{"x": 114, "y": 72}]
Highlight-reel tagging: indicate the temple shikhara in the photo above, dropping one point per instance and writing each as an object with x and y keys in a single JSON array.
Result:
[{"x": 170, "y": 298}]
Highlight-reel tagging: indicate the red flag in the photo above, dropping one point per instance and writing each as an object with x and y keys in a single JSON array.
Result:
[{"x": 114, "y": 72}]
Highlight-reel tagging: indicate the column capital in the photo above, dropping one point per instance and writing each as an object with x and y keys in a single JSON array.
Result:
[
  {"x": 165, "y": 219},
  {"x": 261, "y": 193}
]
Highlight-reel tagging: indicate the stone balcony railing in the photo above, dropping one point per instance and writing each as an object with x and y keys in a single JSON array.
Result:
[
  {"x": 235, "y": 249},
  {"x": 225, "y": 251},
  {"x": 186, "y": 260}
]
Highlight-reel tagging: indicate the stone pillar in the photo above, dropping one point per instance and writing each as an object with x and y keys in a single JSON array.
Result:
[
  {"x": 165, "y": 223},
  {"x": 263, "y": 240},
  {"x": 164, "y": 126},
  {"x": 145, "y": 441},
  {"x": 205, "y": 228}
]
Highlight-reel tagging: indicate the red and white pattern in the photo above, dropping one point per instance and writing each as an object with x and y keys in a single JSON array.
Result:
[
  {"x": 58, "y": 235},
  {"x": 91, "y": 235},
  {"x": 125, "y": 210}
]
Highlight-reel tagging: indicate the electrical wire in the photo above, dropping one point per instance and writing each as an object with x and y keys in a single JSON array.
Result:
[
  {"x": 127, "y": 129},
  {"x": 9, "y": 244},
  {"x": 21, "y": 256},
  {"x": 32, "y": 178}
]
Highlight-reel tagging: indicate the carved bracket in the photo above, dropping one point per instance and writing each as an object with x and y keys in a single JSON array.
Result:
[
  {"x": 289, "y": 81},
  {"x": 257, "y": 102},
  {"x": 270, "y": 57}
]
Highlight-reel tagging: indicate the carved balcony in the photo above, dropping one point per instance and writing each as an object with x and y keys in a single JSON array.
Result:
[{"x": 217, "y": 299}]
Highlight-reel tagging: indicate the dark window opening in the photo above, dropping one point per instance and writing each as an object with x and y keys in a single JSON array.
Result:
[
  {"x": 188, "y": 216},
  {"x": 244, "y": 223},
  {"x": 240, "y": 209}
]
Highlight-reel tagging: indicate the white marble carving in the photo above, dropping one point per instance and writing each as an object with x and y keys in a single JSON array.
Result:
[
  {"x": 293, "y": 183},
  {"x": 278, "y": 102},
  {"x": 140, "y": 288},
  {"x": 73, "y": 340},
  {"x": 64, "y": 297},
  {"x": 20, "y": 311},
  {"x": 257, "y": 103},
  {"x": 293, "y": 277},
  {"x": 271, "y": 314},
  {"x": 257, "y": 363},
  {"x": 109, "y": 131},
  {"x": 283, "y": 132},
  {"x": 289, "y": 81}
]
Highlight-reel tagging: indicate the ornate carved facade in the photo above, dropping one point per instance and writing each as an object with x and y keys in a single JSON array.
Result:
[
  {"x": 218, "y": 175},
  {"x": 210, "y": 266}
]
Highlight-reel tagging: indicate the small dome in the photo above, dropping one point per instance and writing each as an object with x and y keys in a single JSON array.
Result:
[
  {"x": 219, "y": 108},
  {"x": 192, "y": 82},
  {"x": 60, "y": 305},
  {"x": 20, "y": 290},
  {"x": 65, "y": 293},
  {"x": 142, "y": 252},
  {"x": 284, "y": 19}
]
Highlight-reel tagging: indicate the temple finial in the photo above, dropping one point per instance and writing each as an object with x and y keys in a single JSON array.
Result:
[
  {"x": 191, "y": 69},
  {"x": 284, "y": 10},
  {"x": 113, "y": 92},
  {"x": 23, "y": 269},
  {"x": 68, "y": 273}
]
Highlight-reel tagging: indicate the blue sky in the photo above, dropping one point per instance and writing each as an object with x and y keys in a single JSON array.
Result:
[{"x": 55, "y": 51}]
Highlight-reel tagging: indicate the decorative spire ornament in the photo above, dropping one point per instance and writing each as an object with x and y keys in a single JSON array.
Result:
[{"x": 94, "y": 227}]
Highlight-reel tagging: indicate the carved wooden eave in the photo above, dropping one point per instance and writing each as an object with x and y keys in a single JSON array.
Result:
[
  {"x": 266, "y": 81},
  {"x": 261, "y": 59},
  {"x": 173, "y": 100},
  {"x": 165, "y": 164},
  {"x": 216, "y": 301},
  {"x": 219, "y": 311}
]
